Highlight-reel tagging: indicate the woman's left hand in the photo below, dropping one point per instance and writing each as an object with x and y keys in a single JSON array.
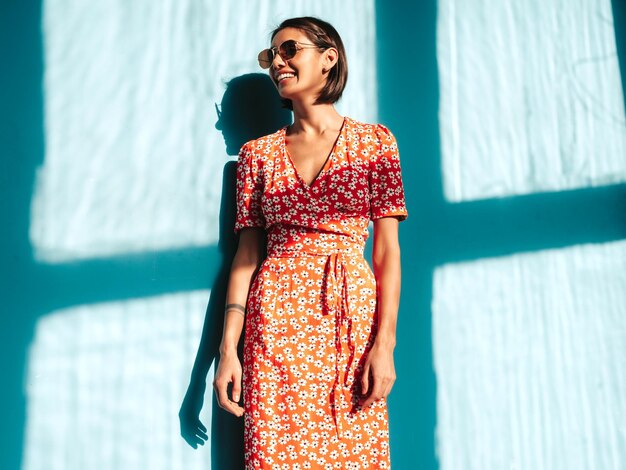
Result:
[{"x": 378, "y": 374}]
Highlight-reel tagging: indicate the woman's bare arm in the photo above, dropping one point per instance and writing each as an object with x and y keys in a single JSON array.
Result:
[
  {"x": 386, "y": 263},
  {"x": 245, "y": 264}
]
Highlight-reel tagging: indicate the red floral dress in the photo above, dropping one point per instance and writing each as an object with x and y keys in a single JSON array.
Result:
[{"x": 312, "y": 307}]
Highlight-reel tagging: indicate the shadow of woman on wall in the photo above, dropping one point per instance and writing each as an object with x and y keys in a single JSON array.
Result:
[{"x": 250, "y": 108}]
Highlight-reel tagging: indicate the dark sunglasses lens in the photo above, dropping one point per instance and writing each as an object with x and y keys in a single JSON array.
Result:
[
  {"x": 265, "y": 58},
  {"x": 288, "y": 49}
]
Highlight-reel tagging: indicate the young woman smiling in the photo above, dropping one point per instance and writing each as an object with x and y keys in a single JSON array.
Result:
[{"x": 320, "y": 324}]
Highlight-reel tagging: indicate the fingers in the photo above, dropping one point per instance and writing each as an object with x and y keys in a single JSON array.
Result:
[
  {"x": 388, "y": 389},
  {"x": 381, "y": 387},
  {"x": 221, "y": 386},
  {"x": 236, "y": 389},
  {"x": 228, "y": 371},
  {"x": 365, "y": 379}
]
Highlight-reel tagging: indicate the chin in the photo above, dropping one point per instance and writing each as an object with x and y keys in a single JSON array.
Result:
[{"x": 287, "y": 96}]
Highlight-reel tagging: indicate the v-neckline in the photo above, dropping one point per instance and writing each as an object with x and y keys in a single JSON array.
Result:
[{"x": 327, "y": 162}]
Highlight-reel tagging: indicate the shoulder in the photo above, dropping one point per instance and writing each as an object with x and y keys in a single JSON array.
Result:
[
  {"x": 268, "y": 142},
  {"x": 261, "y": 148},
  {"x": 368, "y": 132},
  {"x": 265, "y": 141},
  {"x": 373, "y": 140}
]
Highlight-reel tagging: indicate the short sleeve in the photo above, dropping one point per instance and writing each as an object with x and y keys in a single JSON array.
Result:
[
  {"x": 385, "y": 180},
  {"x": 249, "y": 188}
]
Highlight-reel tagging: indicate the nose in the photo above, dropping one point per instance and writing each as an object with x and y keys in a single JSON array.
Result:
[{"x": 277, "y": 61}]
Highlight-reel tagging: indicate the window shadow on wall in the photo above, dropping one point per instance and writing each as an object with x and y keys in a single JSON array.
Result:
[
  {"x": 436, "y": 231},
  {"x": 439, "y": 232}
]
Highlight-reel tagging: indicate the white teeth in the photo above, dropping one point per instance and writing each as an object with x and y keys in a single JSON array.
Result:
[{"x": 284, "y": 75}]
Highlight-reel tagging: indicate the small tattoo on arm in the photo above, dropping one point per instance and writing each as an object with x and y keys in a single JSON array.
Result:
[{"x": 237, "y": 307}]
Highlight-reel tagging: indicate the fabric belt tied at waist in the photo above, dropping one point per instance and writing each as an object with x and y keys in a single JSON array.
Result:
[{"x": 335, "y": 302}]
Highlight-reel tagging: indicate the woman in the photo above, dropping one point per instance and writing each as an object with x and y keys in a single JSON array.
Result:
[{"x": 319, "y": 324}]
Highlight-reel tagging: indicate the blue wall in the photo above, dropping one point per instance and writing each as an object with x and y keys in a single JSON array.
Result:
[{"x": 435, "y": 233}]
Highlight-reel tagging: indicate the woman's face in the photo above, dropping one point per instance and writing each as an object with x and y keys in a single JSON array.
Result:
[{"x": 307, "y": 66}]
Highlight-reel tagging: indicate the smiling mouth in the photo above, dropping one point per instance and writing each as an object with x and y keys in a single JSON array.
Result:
[{"x": 280, "y": 80}]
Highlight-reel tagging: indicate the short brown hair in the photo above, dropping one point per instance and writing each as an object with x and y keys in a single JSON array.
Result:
[{"x": 324, "y": 35}]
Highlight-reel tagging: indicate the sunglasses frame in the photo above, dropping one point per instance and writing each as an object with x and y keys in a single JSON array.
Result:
[{"x": 265, "y": 64}]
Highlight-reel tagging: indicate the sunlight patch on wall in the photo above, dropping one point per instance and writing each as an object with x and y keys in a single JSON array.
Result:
[
  {"x": 531, "y": 98},
  {"x": 133, "y": 161},
  {"x": 530, "y": 359},
  {"x": 105, "y": 383}
]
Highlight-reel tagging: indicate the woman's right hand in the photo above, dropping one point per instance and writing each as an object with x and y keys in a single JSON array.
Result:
[{"x": 229, "y": 370}]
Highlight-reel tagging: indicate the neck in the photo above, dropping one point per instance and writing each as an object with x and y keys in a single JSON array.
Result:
[{"x": 314, "y": 119}]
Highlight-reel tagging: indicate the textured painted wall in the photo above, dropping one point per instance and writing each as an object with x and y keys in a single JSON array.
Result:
[
  {"x": 530, "y": 101},
  {"x": 531, "y": 98},
  {"x": 530, "y": 354},
  {"x": 104, "y": 383},
  {"x": 133, "y": 161},
  {"x": 530, "y": 349},
  {"x": 133, "y": 164}
]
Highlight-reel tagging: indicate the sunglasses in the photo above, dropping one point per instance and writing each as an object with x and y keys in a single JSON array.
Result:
[{"x": 287, "y": 50}]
